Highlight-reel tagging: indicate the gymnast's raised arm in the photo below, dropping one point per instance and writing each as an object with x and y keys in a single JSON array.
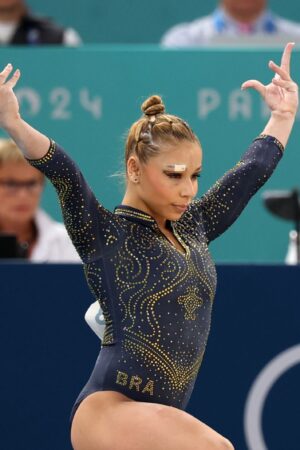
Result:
[{"x": 224, "y": 202}]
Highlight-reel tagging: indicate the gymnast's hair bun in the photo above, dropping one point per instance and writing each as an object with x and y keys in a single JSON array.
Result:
[{"x": 153, "y": 105}]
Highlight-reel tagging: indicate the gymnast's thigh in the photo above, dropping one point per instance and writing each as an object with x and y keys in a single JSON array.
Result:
[{"x": 111, "y": 421}]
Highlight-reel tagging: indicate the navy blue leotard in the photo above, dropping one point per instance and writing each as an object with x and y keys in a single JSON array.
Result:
[{"x": 156, "y": 300}]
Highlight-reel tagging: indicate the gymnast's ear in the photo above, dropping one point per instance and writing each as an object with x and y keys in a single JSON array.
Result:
[{"x": 133, "y": 169}]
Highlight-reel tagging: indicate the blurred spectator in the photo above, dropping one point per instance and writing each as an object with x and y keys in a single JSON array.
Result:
[
  {"x": 18, "y": 26},
  {"x": 40, "y": 238},
  {"x": 245, "y": 19}
]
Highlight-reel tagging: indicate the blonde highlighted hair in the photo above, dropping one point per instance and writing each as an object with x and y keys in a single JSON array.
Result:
[
  {"x": 9, "y": 152},
  {"x": 154, "y": 129}
]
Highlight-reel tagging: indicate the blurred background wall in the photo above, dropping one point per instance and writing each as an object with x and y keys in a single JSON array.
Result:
[{"x": 87, "y": 98}]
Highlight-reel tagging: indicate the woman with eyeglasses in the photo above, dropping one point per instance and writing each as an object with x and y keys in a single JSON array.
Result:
[{"x": 37, "y": 237}]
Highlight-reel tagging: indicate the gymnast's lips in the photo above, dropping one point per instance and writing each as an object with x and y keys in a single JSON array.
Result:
[
  {"x": 22, "y": 208},
  {"x": 181, "y": 208}
]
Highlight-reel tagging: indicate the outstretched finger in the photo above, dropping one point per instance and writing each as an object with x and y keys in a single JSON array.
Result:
[
  {"x": 281, "y": 73},
  {"x": 286, "y": 57},
  {"x": 257, "y": 85},
  {"x": 14, "y": 79},
  {"x": 5, "y": 73}
]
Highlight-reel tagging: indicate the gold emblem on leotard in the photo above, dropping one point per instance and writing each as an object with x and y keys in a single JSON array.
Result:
[{"x": 191, "y": 301}]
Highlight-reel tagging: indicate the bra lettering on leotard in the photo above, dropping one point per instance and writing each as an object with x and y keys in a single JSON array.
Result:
[{"x": 135, "y": 382}]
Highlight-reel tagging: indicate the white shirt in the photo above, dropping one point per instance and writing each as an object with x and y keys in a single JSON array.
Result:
[
  {"x": 292, "y": 253},
  {"x": 71, "y": 38},
  {"x": 7, "y": 30},
  {"x": 219, "y": 27},
  {"x": 53, "y": 242}
]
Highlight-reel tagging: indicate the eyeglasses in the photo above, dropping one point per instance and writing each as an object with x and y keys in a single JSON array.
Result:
[{"x": 12, "y": 187}]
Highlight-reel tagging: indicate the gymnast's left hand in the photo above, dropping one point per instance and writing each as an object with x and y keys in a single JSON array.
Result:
[{"x": 281, "y": 95}]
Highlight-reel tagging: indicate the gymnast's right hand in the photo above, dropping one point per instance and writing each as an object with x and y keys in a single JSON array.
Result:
[{"x": 9, "y": 106}]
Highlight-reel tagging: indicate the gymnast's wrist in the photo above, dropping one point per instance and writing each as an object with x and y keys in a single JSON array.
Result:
[
  {"x": 12, "y": 124},
  {"x": 286, "y": 116}
]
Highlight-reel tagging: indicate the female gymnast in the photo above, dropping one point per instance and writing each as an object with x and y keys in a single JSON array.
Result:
[{"x": 149, "y": 266}]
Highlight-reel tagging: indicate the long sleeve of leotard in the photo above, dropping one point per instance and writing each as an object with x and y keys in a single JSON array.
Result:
[
  {"x": 223, "y": 203},
  {"x": 85, "y": 219}
]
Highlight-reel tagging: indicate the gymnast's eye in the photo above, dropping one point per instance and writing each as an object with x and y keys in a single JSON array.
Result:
[
  {"x": 197, "y": 175},
  {"x": 178, "y": 176},
  {"x": 174, "y": 175}
]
